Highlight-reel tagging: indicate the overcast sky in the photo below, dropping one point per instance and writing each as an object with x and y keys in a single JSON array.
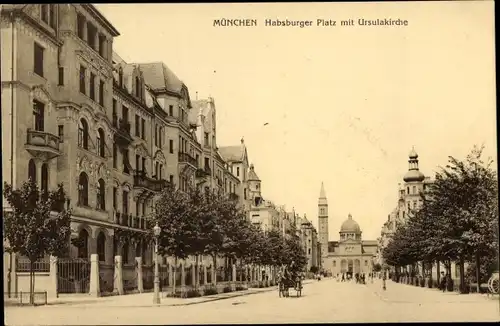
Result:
[{"x": 344, "y": 105}]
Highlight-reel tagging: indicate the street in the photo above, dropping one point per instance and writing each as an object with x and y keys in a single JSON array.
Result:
[{"x": 323, "y": 301}]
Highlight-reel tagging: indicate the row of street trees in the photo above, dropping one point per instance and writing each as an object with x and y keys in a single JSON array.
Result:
[
  {"x": 204, "y": 223},
  {"x": 458, "y": 222}
]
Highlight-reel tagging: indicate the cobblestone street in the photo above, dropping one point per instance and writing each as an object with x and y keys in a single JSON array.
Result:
[{"x": 324, "y": 301}]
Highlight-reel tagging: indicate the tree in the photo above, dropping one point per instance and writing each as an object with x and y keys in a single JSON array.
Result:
[
  {"x": 177, "y": 217},
  {"x": 38, "y": 225}
]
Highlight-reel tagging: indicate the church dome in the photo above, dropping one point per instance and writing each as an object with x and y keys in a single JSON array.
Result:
[
  {"x": 350, "y": 226},
  {"x": 414, "y": 175}
]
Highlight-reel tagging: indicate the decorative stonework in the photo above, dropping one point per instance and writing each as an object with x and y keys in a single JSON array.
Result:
[
  {"x": 160, "y": 157},
  {"x": 97, "y": 63}
]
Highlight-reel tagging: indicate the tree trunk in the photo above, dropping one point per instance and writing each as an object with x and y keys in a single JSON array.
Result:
[
  {"x": 478, "y": 272},
  {"x": 32, "y": 283},
  {"x": 197, "y": 273},
  {"x": 438, "y": 271},
  {"x": 175, "y": 275},
  {"x": 462, "y": 276},
  {"x": 214, "y": 259}
]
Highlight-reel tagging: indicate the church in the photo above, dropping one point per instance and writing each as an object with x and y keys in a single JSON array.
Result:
[{"x": 350, "y": 254}]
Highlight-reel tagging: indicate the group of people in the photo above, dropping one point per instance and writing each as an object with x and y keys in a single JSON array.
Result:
[{"x": 360, "y": 278}]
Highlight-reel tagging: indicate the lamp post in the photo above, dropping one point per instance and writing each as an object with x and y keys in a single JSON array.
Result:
[{"x": 156, "y": 297}]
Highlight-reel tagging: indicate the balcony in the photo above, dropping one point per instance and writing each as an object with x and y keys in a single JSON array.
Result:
[
  {"x": 41, "y": 143},
  {"x": 141, "y": 180},
  {"x": 122, "y": 135},
  {"x": 185, "y": 158},
  {"x": 131, "y": 221}
]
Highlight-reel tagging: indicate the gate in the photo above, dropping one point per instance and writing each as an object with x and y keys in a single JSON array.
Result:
[
  {"x": 73, "y": 275},
  {"x": 163, "y": 275},
  {"x": 147, "y": 277},
  {"x": 129, "y": 277}
]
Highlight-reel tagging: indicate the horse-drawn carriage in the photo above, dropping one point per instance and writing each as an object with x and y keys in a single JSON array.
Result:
[{"x": 287, "y": 283}]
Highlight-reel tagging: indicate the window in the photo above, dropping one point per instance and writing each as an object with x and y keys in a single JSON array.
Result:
[
  {"x": 39, "y": 115},
  {"x": 238, "y": 171},
  {"x": 125, "y": 113},
  {"x": 125, "y": 250},
  {"x": 44, "y": 13},
  {"x": 137, "y": 126},
  {"x": 171, "y": 110},
  {"x": 101, "y": 143},
  {"x": 245, "y": 193},
  {"x": 137, "y": 86},
  {"x": 80, "y": 26},
  {"x": 309, "y": 251},
  {"x": 83, "y": 134},
  {"x": 156, "y": 135},
  {"x": 83, "y": 89},
  {"x": 83, "y": 189},
  {"x": 92, "y": 36},
  {"x": 115, "y": 155},
  {"x": 92, "y": 86},
  {"x": 207, "y": 163},
  {"x": 206, "y": 139},
  {"x": 160, "y": 137},
  {"x": 366, "y": 262},
  {"x": 137, "y": 163},
  {"x": 408, "y": 190},
  {"x": 161, "y": 169},
  {"x": 115, "y": 197},
  {"x": 409, "y": 205},
  {"x": 414, "y": 190},
  {"x": 143, "y": 164},
  {"x": 171, "y": 178},
  {"x": 101, "y": 92},
  {"x": 171, "y": 145},
  {"x": 101, "y": 195},
  {"x": 52, "y": 17},
  {"x": 60, "y": 132},
  {"x": 125, "y": 202},
  {"x": 60, "y": 76},
  {"x": 102, "y": 45},
  {"x": 32, "y": 170},
  {"x": 157, "y": 170},
  {"x": 126, "y": 163},
  {"x": 414, "y": 205},
  {"x": 120, "y": 77},
  {"x": 38, "y": 60},
  {"x": 143, "y": 128},
  {"x": 334, "y": 263}
]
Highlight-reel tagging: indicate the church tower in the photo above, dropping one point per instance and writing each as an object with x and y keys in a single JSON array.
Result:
[{"x": 323, "y": 224}]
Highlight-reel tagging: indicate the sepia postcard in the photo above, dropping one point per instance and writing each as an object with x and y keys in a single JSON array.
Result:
[{"x": 249, "y": 163}]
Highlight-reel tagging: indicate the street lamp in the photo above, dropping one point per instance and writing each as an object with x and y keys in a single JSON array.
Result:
[{"x": 156, "y": 297}]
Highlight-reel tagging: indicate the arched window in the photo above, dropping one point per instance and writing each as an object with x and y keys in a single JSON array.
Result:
[
  {"x": 83, "y": 239},
  {"x": 101, "y": 142},
  {"x": 101, "y": 245},
  {"x": 45, "y": 180},
  {"x": 101, "y": 195},
  {"x": 138, "y": 249},
  {"x": 83, "y": 134},
  {"x": 32, "y": 170},
  {"x": 83, "y": 189}
]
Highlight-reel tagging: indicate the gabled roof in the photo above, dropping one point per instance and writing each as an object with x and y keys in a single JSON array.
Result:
[
  {"x": 252, "y": 176},
  {"x": 234, "y": 153}
]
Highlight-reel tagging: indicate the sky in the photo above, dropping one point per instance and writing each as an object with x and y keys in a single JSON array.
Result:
[{"x": 344, "y": 105}]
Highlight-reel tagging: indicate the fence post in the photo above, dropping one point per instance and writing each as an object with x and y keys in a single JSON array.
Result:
[
  {"x": 118, "y": 280},
  {"x": 193, "y": 275},
  {"x": 140, "y": 285},
  {"x": 183, "y": 276},
  {"x": 234, "y": 280},
  {"x": 94, "y": 289},
  {"x": 170, "y": 274},
  {"x": 52, "y": 291},
  {"x": 205, "y": 274}
]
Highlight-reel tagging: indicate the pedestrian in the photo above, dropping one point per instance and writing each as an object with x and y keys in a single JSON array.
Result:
[
  {"x": 343, "y": 277},
  {"x": 443, "y": 282}
]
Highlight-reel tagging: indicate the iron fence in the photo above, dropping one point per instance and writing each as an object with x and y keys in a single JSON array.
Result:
[
  {"x": 39, "y": 298},
  {"x": 39, "y": 266},
  {"x": 73, "y": 275}
]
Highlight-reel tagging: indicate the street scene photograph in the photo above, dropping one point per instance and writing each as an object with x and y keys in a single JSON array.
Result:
[{"x": 225, "y": 163}]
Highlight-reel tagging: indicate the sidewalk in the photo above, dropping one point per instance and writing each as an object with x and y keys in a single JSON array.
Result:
[
  {"x": 146, "y": 299},
  {"x": 405, "y": 293}
]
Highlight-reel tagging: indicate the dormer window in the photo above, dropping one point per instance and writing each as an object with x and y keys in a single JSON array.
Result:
[{"x": 120, "y": 77}]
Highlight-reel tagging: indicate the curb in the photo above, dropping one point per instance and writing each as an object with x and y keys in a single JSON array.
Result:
[{"x": 243, "y": 294}]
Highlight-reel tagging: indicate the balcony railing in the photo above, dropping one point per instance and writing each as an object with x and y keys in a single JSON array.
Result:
[
  {"x": 141, "y": 180},
  {"x": 186, "y": 158},
  {"x": 131, "y": 221},
  {"x": 122, "y": 127},
  {"x": 201, "y": 173},
  {"x": 43, "y": 139}
]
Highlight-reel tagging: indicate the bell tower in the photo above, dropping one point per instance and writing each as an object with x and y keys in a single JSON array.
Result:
[{"x": 323, "y": 224}]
